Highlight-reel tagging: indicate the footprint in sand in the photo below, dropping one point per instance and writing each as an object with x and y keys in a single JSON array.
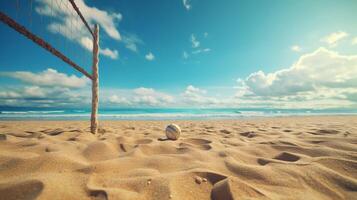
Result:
[
  {"x": 143, "y": 141},
  {"x": 346, "y": 134},
  {"x": 199, "y": 143},
  {"x": 98, "y": 194},
  {"x": 74, "y": 137},
  {"x": 287, "y": 143},
  {"x": 54, "y": 132},
  {"x": 210, "y": 131},
  {"x": 328, "y": 131},
  {"x": 231, "y": 189},
  {"x": 248, "y": 134},
  {"x": 208, "y": 127},
  {"x": 202, "y": 146},
  {"x": 75, "y": 130},
  {"x": 184, "y": 145},
  {"x": 29, "y": 189},
  {"x": 29, "y": 143},
  {"x": 263, "y": 161},
  {"x": 324, "y": 132},
  {"x": 26, "y": 135},
  {"x": 316, "y": 141},
  {"x": 2, "y": 137},
  {"x": 286, "y": 156},
  {"x": 50, "y": 149},
  {"x": 225, "y": 131}
]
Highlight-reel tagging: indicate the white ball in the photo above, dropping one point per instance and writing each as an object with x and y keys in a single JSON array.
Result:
[{"x": 173, "y": 131}]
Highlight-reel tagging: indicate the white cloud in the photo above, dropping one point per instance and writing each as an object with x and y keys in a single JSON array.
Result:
[
  {"x": 193, "y": 90},
  {"x": 87, "y": 43},
  {"x": 185, "y": 55},
  {"x": 151, "y": 97},
  {"x": 132, "y": 47},
  {"x": 354, "y": 41},
  {"x": 110, "y": 53},
  {"x": 92, "y": 15},
  {"x": 9, "y": 95},
  {"x": 321, "y": 76},
  {"x": 194, "y": 96},
  {"x": 144, "y": 91},
  {"x": 138, "y": 97},
  {"x": 132, "y": 41},
  {"x": 34, "y": 91},
  {"x": 186, "y": 4},
  {"x": 49, "y": 77},
  {"x": 115, "y": 99},
  {"x": 333, "y": 39},
  {"x": 295, "y": 48},
  {"x": 149, "y": 56},
  {"x": 53, "y": 89},
  {"x": 195, "y": 43},
  {"x": 322, "y": 68},
  {"x": 69, "y": 24},
  {"x": 198, "y": 51},
  {"x": 106, "y": 20},
  {"x": 37, "y": 96},
  {"x": 321, "y": 79}
]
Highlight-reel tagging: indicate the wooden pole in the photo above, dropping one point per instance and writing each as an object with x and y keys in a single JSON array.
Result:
[{"x": 95, "y": 81}]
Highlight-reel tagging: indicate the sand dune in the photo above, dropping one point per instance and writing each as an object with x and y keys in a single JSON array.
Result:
[{"x": 269, "y": 158}]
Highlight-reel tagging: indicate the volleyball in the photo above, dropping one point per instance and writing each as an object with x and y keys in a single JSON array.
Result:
[{"x": 173, "y": 132}]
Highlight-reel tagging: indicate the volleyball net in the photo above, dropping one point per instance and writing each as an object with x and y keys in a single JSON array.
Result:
[{"x": 59, "y": 27}]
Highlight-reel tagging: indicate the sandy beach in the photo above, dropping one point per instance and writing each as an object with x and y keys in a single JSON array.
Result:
[{"x": 267, "y": 158}]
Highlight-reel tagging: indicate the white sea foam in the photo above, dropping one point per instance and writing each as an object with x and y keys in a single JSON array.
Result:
[
  {"x": 134, "y": 115},
  {"x": 32, "y": 112}
]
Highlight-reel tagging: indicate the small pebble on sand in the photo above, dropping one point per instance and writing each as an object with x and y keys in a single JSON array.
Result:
[
  {"x": 2, "y": 137},
  {"x": 198, "y": 180}
]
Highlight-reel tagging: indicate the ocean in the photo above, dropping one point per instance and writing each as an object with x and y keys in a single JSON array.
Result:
[{"x": 160, "y": 113}]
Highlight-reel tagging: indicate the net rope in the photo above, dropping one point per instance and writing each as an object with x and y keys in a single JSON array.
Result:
[
  {"x": 65, "y": 34},
  {"x": 58, "y": 23}
]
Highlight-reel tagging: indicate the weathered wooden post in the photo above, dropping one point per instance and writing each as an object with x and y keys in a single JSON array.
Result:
[{"x": 95, "y": 81}]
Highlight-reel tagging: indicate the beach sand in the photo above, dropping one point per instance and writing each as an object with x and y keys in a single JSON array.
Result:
[{"x": 267, "y": 158}]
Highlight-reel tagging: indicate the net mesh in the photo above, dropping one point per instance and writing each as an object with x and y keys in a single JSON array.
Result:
[{"x": 56, "y": 22}]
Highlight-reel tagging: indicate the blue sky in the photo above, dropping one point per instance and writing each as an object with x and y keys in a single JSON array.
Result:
[{"x": 187, "y": 54}]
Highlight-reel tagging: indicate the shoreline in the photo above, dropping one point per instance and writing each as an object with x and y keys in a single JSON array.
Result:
[{"x": 47, "y": 118}]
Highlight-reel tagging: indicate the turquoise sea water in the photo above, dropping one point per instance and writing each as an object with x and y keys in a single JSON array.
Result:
[{"x": 159, "y": 114}]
